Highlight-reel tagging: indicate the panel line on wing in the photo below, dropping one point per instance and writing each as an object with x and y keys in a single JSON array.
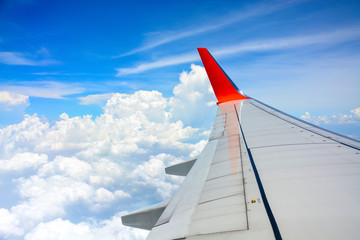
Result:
[
  {"x": 294, "y": 144},
  {"x": 220, "y": 176},
  {"x": 222, "y": 205},
  {"x": 307, "y": 129},
  {"x": 217, "y": 162},
  {"x": 261, "y": 188},
  {"x": 215, "y": 199}
]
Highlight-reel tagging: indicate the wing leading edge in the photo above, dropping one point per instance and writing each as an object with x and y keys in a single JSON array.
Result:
[{"x": 262, "y": 175}]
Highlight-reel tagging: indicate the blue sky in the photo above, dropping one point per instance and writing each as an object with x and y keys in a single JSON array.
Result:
[{"x": 90, "y": 86}]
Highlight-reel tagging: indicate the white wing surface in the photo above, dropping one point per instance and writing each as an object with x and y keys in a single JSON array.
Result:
[{"x": 262, "y": 175}]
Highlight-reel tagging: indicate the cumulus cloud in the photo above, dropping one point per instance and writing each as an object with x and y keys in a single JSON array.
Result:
[
  {"x": 63, "y": 229},
  {"x": 105, "y": 173},
  {"x": 352, "y": 118},
  {"x": 83, "y": 168},
  {"x": 152, "y": 174},
  {"x": 356, "y": 112},
  {"x": 9, "y": 224},
  {"x": 47, "y": 198},
  {"x": 121, "y": 194},
  {"x": 10, "y": 98},
  {"x": 59, "y": 185},
  {"x": 21, "y": 161},
  {"x": 22, "y": 137},
  {"x": 149, "y": 103},
  {"x": 66, "y": 166},
  {"x": 193, "y": 96}
]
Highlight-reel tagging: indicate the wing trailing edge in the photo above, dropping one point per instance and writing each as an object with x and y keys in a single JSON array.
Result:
[
  {"x": 144, "y": 219},
  {"x": 224, "y": 88},
  {"x": 180, "y": 169}
]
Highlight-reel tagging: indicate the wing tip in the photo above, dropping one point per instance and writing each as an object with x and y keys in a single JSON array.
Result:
[{"x": 224, "y": 88}]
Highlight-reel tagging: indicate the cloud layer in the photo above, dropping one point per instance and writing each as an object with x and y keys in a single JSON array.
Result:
[
  {"x": 74, "y": 178},
  {"x": 351, "y": 118}
]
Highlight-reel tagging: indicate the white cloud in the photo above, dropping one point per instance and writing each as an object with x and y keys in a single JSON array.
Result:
[
  {"x": 325, "y": 39},
  {"x": 152, "y": 174},
  {"x": 85, "y": 168},
  {"x": 98, "y": 99},
  {"x": 150, "y": 103},
  {"x": 306, "y": 116},
  {"x": 10, "y": 98},
  {"x": 356, "y": 112},
  {"x": 163, "y": 62},
  {"x": 59, "y": 185},
  {"x": 21, "y": 161},
  {"x": 66, "y": 166},
  {"x": 111, "y": 229},
  {"x": 17, "y": 58},
  {"x": 47, "y": 73},
  {"x": 353, "y": 118},
  {"x": 129, "y": 124},
  {"x": 160, "y": 38},
  {"x": 22, "y": 137},
  {"x": 121, "y": 194},
  {"x": 44, "y": 89},
  {"x": 47, "y": 198},
  {"x": 59, "y": 229},
  {"x": 9, "y": 224},
  {"x": 199, "y": 147},
  {"x": 103, "y": 195},
  {"x": 105, "y": 173},
  {"x": 192, "y": 97}
]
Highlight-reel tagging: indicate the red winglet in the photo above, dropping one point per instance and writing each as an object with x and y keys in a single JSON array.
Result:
[{"x": 225, "y": 90}]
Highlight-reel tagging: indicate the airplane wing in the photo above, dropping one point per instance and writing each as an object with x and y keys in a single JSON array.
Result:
[{"x": 262, "y": 175}]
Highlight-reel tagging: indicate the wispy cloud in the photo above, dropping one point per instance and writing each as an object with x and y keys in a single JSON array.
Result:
[
  {"x": 44, "y": 89},
  {"x": 46, "y": 73},
  {"x": 98, "y": 99},
  {"x": 41, "y": 58},
  {"x": 160, "y": 38},
  {"x": 61, "y": 73},
  {"x": 163, "y": 62},
  {"x": 325, "y": 39}
]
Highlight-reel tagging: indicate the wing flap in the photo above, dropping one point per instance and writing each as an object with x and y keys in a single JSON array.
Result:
[
  {"x": 180, "y": 169},
  {"x": 144, "y": 219}
]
